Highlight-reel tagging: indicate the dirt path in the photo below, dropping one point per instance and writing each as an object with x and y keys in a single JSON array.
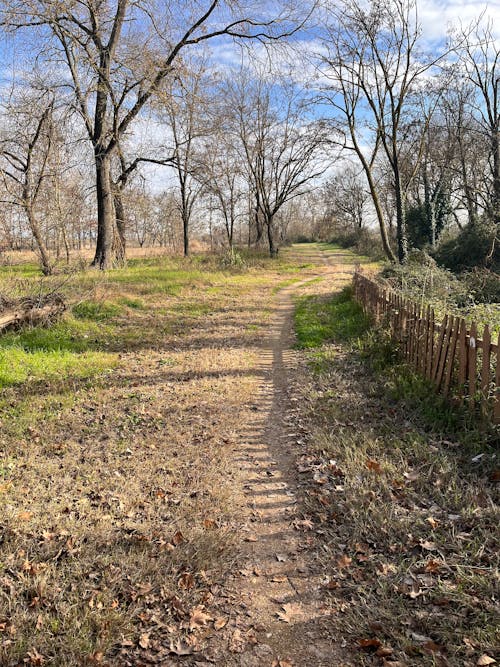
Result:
[{"x": 281, "y": 616}]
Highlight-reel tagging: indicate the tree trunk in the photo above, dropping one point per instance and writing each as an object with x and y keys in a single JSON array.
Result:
[
  {"x": 42, "y": 249},
  {"x": 400, "y": 219},
  {"x": 103, "y": 258},
  {"x": 185, "y": 233},
  {"x": 120, "y": 242},
  {"x": 496, "y": 176},
  {"x": 273, "y": 248}
]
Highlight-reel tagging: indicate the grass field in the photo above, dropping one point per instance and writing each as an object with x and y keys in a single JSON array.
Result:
[
  {"x": 117, "y": 427},
  {"x": 120, "y": 496}
]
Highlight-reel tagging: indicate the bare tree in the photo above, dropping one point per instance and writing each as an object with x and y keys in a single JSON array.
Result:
[
  {"x": 479, "y": 60},
  {"x": 25, "y": 149},
  {"x": 284, "y": 150},
  {"x": 374, "y": 68},
  {"x": 346, "y": 198}
]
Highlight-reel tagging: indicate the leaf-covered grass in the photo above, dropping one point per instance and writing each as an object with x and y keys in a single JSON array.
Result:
[
  {"x": 407, "y": 507},
  {"x": 118, "y": 430}
]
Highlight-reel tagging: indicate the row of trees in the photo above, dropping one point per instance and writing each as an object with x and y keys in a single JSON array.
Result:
[{"x": 242, "y": 144}]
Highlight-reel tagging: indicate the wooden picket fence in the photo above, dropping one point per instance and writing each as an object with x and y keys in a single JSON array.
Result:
[{"x": 461, "y": 365}]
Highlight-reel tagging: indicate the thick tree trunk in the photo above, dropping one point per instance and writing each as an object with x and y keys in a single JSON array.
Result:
[
  {"x": 273, "y": 248},
  {"x": 103, "y": 258}
]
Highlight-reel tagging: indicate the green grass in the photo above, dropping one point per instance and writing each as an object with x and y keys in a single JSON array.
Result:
[
  {"x": 96, "y": 310},
  {"x": 18, "y": 366},
  {"x": 329, "y": 319}
]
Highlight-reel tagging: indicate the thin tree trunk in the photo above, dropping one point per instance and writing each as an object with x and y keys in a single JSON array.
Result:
[
  {"x": 42, "y": 249},
  {"x": 400, "y": 219},
  {"x": 496, "y": 176}
]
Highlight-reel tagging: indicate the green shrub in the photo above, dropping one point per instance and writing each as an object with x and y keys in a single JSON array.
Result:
[{"x": 473, "y": 247}]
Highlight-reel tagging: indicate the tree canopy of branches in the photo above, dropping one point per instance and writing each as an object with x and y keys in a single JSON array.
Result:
[{"x": 100, "y": 45}]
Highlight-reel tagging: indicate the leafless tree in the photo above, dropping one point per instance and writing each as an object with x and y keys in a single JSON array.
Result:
[
  {"x": 479, "y": 62},
  {"x": 346, "y": 198},
  {"x": 25, "y": 150},
  {"x": 284, "y": 150},
  {"x": 374, "y": 70}
]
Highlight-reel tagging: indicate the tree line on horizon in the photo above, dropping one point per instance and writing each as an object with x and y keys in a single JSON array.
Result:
[{"x": 329, "y": 118}]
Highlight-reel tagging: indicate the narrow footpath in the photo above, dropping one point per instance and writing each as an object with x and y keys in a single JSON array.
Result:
[{"x": 281, "y": 616}]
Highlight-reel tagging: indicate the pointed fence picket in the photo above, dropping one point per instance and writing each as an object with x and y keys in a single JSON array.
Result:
[{"x": 450, "y": 355}]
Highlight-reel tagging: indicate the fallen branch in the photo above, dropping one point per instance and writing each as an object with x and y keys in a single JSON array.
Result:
[{"x": 31, "y": 313}]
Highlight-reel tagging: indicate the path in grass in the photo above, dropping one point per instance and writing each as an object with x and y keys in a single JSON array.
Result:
[
  {"x": 280, "y": 615},
  {"x": 146, "y": 443}
]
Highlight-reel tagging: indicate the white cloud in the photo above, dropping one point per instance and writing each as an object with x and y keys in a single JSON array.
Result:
[{"x": 438, "y": 16}]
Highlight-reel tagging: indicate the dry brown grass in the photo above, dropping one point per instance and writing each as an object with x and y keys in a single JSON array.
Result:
[
  {"x": 407, "y": 520},
  {"x": 118, "y": 501}
]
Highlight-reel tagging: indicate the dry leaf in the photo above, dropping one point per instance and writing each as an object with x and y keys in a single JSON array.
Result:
[
  {"x": 144, "y": 641},
  {"x": 373, "y": 465},
  {"x": 198, "y": 618},
  {"x": 432, "y": 565},
  {"x": 343, "y": 562},
  {"x": 178, "y": 538},
  {"x": 186, "y": 581},
  {"x": 432, "y": 521},
  {"x": 34, "y": 658},
  {"x": 220, "y": 623},
  {"x": 370, "y": 644},
  {"x": 485, "y": 660},
  {"x": 289, "y": 611},
  {"x": 427, "y": 545},
  {"x": 180, "y": 647}
]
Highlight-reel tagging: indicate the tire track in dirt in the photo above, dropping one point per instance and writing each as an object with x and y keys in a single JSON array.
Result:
[{"x": 280, "y": 616}]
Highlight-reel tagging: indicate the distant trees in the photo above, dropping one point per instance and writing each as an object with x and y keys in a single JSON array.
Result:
[
  {"x": 345, "y": 197},
  {"x": 240, "y": 148}
]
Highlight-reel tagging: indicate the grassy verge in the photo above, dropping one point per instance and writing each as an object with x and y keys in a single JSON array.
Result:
[{"x": 406, "y": 503}]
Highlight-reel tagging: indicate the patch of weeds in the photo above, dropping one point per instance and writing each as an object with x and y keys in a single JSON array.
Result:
[
  {"x": 96, "y": 310},
  {"x": 70, "y": 334},
  {"x": 135, "y": 304},
  {"x": 336, "y": 318},
  {"x": 402, "y": 384}
]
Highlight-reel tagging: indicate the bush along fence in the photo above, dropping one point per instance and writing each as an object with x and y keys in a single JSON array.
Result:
[{"x": 461, "y": 365}]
